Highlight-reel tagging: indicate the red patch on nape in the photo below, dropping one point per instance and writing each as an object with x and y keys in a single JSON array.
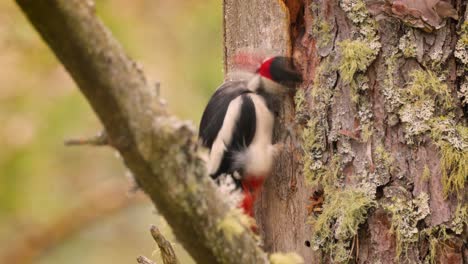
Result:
[{"x": 264, "y": 69}]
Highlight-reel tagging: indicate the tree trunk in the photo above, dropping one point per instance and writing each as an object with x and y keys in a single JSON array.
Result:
[{"x": 381, "y": 174}]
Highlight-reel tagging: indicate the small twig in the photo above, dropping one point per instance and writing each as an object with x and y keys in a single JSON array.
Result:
[
  {"x": 157, "y": 88},
  {"x": 100, "y": 140},
  {"x": 352, "y": 247},
  {"x": 157, "y": 94},
  {"x": 144, "y": 260},
  {"x": 167, "y": 252},
  {"x": 357, "y": 248}
]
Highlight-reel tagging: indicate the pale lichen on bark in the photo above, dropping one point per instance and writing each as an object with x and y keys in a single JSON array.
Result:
[
  {"x": 288, "y": 258},
  {"x": 338, "y": 223},
  {"x": 344, "y": 66},
  {"x": 396, "y": 75},
  {"x": 406, "y": 213}
]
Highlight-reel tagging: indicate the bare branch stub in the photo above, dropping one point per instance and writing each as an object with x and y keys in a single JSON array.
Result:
[
  {"x": 100, "y": 139},
  {"x": 144, "y": 260},
  {"x": 167, "y": 252}
]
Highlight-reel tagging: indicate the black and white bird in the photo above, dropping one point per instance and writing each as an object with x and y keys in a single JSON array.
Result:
[{"x": 237, "y": 126}]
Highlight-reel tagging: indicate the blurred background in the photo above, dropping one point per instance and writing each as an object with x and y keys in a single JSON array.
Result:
[{"x": 73, "y": 204}]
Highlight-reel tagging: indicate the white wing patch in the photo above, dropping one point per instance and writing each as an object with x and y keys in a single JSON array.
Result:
[
  {"x": 257, "y": 158},
  {"x": 224, "y": 136}
]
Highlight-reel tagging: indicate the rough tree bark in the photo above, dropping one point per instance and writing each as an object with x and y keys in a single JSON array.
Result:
[
  {"x": 384, "y": 132},
  {"x": 265, "y": 26}
]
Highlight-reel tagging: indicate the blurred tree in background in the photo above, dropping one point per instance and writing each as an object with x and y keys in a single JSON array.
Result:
[{"x": 40, "y": 179}]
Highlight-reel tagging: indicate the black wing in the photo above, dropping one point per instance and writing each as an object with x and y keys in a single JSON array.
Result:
[
  {"x": 244, "y": 133},
  {"x": 213, "y": 117}
]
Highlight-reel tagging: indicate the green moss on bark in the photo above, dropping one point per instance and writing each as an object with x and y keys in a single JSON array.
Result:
[
  {"x": 235, "y": 223},
  {"x": 314, "y": 133},
  {"x": 407, "y": 44},
  {"x": 321, "y": 29},
  {"x": 461, "y": 53},
  {"x": 288, "y": 258},
  {"x": 454, "y": 164},
  {"x": 356, "y": 55},
  {"x": 461, "y": 49},
  {"x": 314, "y": 147},
  {"x": 426, "y": 110},
  {"x": 436, "y": 236},
  {"x": 460, "y": 221},
  {"x": 335, "y": 227},
  {"x": 452, "y": 140},
  {"x": 391, "y": 92},
  {"x": 425, "y": 94},
  {"x": 406, "y": 214}
]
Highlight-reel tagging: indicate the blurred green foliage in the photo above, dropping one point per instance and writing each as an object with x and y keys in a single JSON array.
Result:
[{"x": 178, "y": 43}]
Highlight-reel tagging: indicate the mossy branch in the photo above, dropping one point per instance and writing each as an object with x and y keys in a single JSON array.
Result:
[{"x": 159, "y": 149}]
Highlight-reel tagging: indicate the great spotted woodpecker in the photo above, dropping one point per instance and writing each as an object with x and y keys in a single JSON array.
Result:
[{"x": 237, "y": 126}]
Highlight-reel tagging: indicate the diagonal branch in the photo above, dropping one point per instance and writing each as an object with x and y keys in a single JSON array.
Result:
[{"x": 159, "y": 149}]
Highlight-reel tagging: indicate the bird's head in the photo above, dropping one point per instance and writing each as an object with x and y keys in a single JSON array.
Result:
[
  {"x": 272, "y": 75},
  {"x": 277, "y": 75},
  {"x": 281, "y": 70}
]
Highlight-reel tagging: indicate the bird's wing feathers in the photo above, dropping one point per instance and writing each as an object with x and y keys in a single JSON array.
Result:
[
  {"x": 215, "y": 111},
  {"x": 242, "y": 135},
  {"x": 226, "y": 138}
]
